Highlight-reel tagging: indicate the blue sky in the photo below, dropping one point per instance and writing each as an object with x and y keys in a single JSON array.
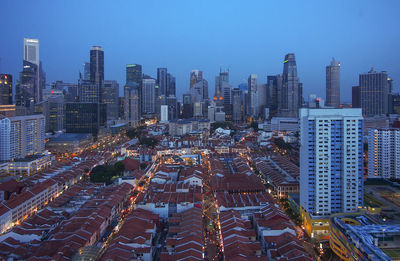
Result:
[{"x": 246, "y": 36}]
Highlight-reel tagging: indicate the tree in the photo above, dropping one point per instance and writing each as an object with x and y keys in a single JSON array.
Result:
[
  {"x": 119, "y": 167},
  {"x": 148, "y": 141}
]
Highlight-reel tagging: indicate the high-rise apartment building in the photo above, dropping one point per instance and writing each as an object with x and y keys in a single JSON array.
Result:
[
  {"x": 374, "y": 92},
  {"x": 291, "y": 93},
  {"x": 384, "y": 153},
  {"x": 109, "y": 96},
  {"x": 6, "y": 89},
  {"x": 331, "y": 161},
  {"x": 21, "y": 136},
  {"x": 252, "y": 85},
  {"x": 333, "y": 84}
]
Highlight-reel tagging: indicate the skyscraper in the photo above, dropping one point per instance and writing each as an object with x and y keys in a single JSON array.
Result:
[
  {"x": 32, "y": 77},
  {"x": 96, "y": 65},
  {"x": 27, "y": 89},
  {"x": 219, "y": 80},
  {"x": 374, "y": 92},
  {"x": 333, "y": 84},
  {"x": 237, "y": 105},
  {"x": 252, "y": 84},
  {"x": 148, "y": 96},
  {"x": 195, "y": 76},
  {"x": 110, "y": 94},
  {"x": 31, "y": 50},
  {"x": 171, "y": 85},
  {"x": 331, "y": 161},
  {"x": 291, "y": 98},
  {"x": 162, "y": 81},
  {"x": 133, "y": 93},
  {"x": 275, "y": 93},
  {"x": 86, "y": 71},
  {"x": 6, "y": 89}
]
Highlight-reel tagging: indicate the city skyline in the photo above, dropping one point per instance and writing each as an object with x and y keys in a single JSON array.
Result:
[{"x": 314, "y": 47}]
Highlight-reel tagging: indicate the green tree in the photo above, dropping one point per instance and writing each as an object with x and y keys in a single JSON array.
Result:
[
  {"x": 119, "y": 167},
  {"x": 148, "y": 141}
]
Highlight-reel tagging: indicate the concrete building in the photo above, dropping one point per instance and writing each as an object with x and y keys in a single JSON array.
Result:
[
  {"x": 333, "y": 84},
  {"x": 148, "y": 96},
  {"x": 384, "y": 153},
  {"x": 21, "y": 136},
  {"x": 331, "y": 162}
]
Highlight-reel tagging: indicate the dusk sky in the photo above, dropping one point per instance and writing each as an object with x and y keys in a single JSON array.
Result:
[{"x": 245, "y": 36}]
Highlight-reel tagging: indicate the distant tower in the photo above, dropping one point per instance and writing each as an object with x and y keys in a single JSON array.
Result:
[
  {"x": 96, "y": 65},
  {"x": 133, "y": 93},
  {"x": 162, "y": 81},
  {"x": 31, "y": 50},
  {"x": 374, "y": 92},
  {"x": 333, "y": 84},
  {"x": 252, "y": 85},
  {"x": 291, "y": 98}
]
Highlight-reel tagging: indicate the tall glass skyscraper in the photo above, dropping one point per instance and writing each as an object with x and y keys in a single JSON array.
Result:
[
  {"x": 333, "y": 84},
  {"x": 291, "y": 98},
  {"x": 96, "y": 65}
]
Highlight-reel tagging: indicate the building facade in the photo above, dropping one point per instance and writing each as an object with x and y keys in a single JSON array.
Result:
[{"x": 331, "y": 161}]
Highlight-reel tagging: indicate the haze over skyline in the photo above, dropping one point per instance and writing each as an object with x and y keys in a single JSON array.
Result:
[{"x": 206, "y": 35}]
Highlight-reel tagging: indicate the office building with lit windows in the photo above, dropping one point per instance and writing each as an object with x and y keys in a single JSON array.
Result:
[
  {"x": 331, "y": 162},
  {"x": 81, "y": 117},
  {"x": 384, "y": 153}
]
